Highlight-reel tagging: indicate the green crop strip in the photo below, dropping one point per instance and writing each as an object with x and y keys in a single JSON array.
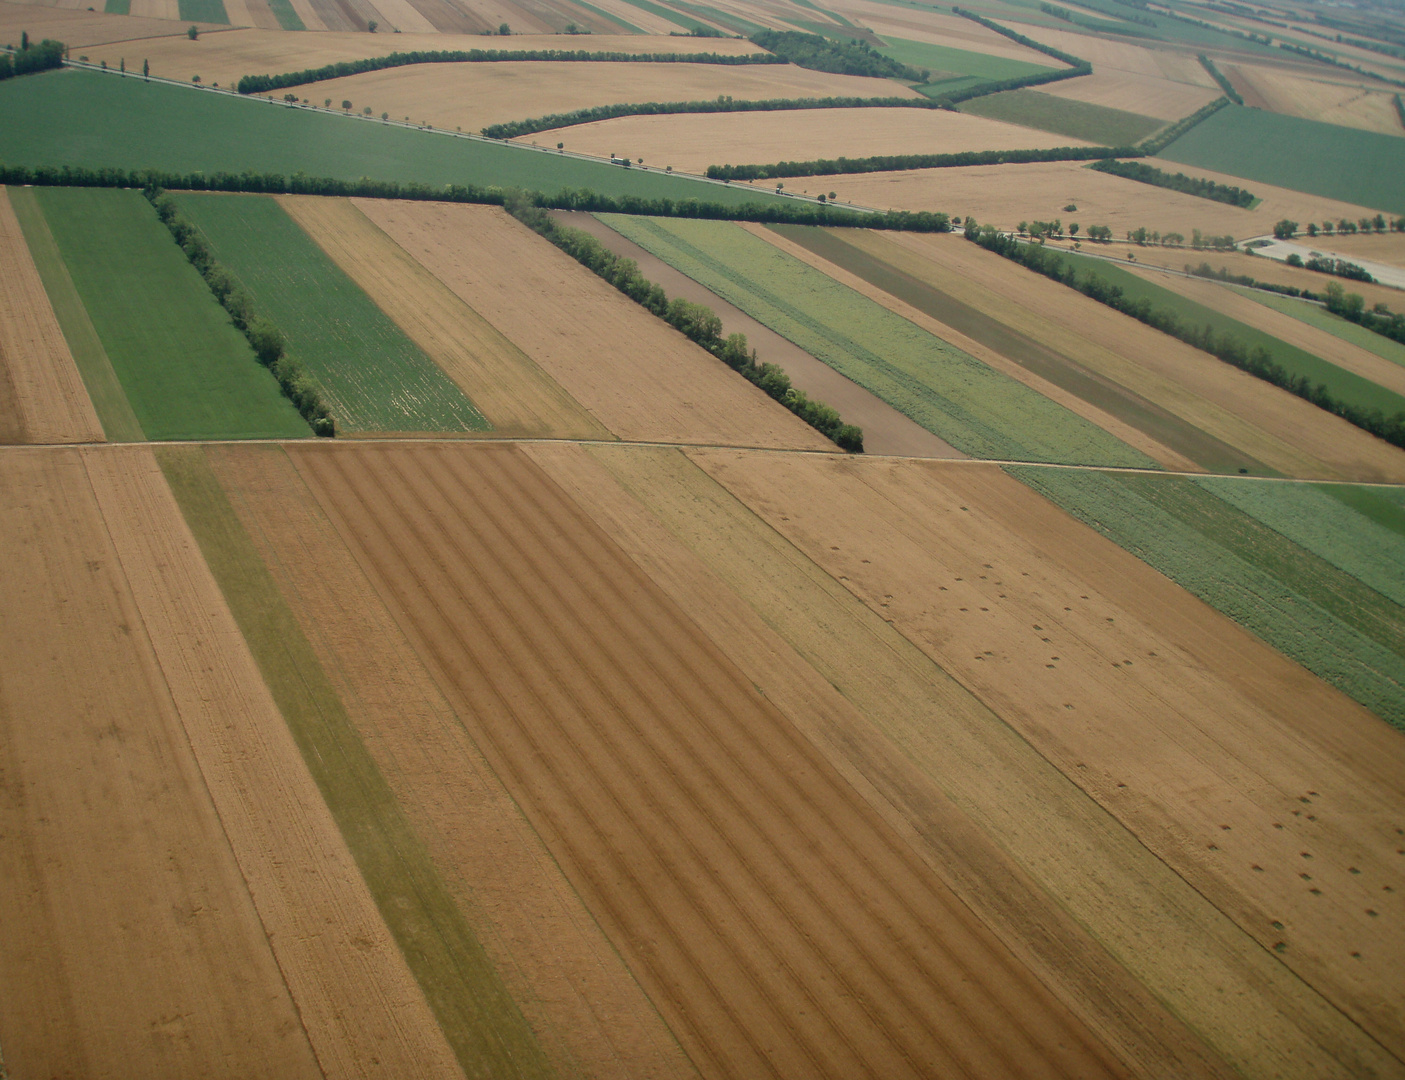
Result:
[
  {"x": 1065, "y": 116},
  {"x": 209, "y": 11},
  {"x": 374, "y": 377},
  {"x": 1382, "y": 506},
  {"x": 287, "y": 18},
  {"x": 1335, "y": 325},
  {"x": 483, "y": 1024},
  {"x": 977, "y": 409},
  {"x": 110, "y": 402},
  {"x": 187, "y": 372}
]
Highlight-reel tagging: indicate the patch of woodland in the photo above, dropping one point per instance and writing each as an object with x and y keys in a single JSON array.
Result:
[{"x": 30, "y": 57}]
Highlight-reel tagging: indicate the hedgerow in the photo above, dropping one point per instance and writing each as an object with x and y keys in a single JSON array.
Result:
[
  {"x": 1189, "y": 185},
  {"x": 892, "y": 163}
]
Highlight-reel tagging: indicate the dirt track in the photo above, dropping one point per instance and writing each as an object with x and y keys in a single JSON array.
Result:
[{"x": 780, "y": 925}]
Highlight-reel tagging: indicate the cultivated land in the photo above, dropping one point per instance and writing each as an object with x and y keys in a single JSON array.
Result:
[
  {"x": 78, "y": 28},
  {"x": 1328, "y": 99},
  {"x": 1146, "y": 95},
  {"x": 692, "y": 142},
  {"x": 1065, "y": 116},
  {"x": 42, "y": 399},
  {"x": 661, "y": 388}
]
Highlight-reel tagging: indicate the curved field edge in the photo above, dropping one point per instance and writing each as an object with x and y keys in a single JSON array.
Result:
[
  {"x": 482, "y": 1023},
  {"x": 1337, "y": 628},
  {"x": 976, "y": 409}
]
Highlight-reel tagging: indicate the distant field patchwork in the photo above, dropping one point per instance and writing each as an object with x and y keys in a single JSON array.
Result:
[{"x": 1064, "y": 116}]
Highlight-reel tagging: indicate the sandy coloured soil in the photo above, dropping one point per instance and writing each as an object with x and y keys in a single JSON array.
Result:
[
  {"x": 1148, "y": 95},
  {"x": 692, "y": 142},
  {"x": 1270, "y": 425},
  {"x": 638, "y": 376},
  {"x": 516, "y": 396},
  {"x": 936, "y": 26},
  {"x": 1332, "y": 100},
  {"x": 471, "y": 96},
  {"x": 38, "y": 379},
  {"x": 1197, "y": 737},
  {"x": 772, "y": 914},
  {"x": 886, "y": 431}
]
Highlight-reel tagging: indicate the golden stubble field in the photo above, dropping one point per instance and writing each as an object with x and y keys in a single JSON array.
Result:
[
  {"x": 1149, "y": 95},
  {"x": 1331, "y": 99}
]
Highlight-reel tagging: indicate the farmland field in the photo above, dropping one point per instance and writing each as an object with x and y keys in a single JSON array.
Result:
[
  {"x": 186, "y": 370},
  {"x": 80, "y": 118},
  {"x": 975, "y": 408},
  {"x": 1064, "y": 116},
  {"x": 944, "y": 59},
  {"x": 374, "y": 377},
  {"x": 1321, "y": 159},
  {"x": 1144, "y": 95},
  {"x": 1315, "y": 316},
  {"x": 1329, "y": 99}
]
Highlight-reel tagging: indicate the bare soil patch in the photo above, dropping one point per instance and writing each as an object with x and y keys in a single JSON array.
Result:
[
  {"x": 690, "y": 142},
  {"x": 49, "y": 403},
  {"x": 777, "y": 921},
  {"x": 638, "y": 376}
]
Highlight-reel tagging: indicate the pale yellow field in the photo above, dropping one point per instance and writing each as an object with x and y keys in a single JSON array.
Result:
[
  {"x": 1107, "y": 55},
  {"x": 692, "y": 142},
  {"x": 471, "y": 96},
  {"x": 1330, "y": 100},
  {"x": 79, "y": 29},
  {"x": 1386, "y": 247},
  {"x": 1149, "y": 95}
]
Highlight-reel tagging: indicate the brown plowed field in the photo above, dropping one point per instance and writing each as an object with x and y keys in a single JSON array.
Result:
[
  {"x": 42, "y": 397},
  {"x": 1197, "y": 737},
  {"x": 471, "y": 96},
  {"x": 582, "y": 1001},
  {"x": 358, "y": 1003},
  {"x": 691, "y": 142},
  {"x": 516, "y": 396},
  {"x": 639, "y": 377},
  {"x": 779, "y": 924},
  {"x": 1270, "y": 425},
  {"x": 131, "y": 946}
]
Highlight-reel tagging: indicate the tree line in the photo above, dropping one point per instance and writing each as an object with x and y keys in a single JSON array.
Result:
[
  {"x": 1323, "y": 58},
  {"x": 260, "y": 84},
  {"x": 1222, "y": 274},
  {"x": 1257, "y": 361},
  {"x": 722, "y": 103},
  {"x": 837, "y": 57},
  {"x": 697, "y": 322},
  {"x": 892, "y": 163},
  {"x": 29, "y": 58},
  {"x": 774, "y": 212},
  {"x": 1220, "y": 77},
  {"x": 1164, "y": 138},
  {"x": 263, "y": 336},
  {"x": 1352, "y": 307},
  {"x": 1188, "y": 185}
]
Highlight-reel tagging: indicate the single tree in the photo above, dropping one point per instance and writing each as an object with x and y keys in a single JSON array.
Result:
[
  {"x": 385, "y": 116},
  {"x": 327, "y": 102},
  {"x": 1073, "y": 228},
  {"x": 123, "y": 62},
  {"x": 193, "y": 33},
  {"x": 146, "y": 70},
  {"x": 1285, "y": 229},
  {"x": 24, "y": 40},
  {"x": 195, "y": 78},
  {"x": 367, "y": 110},
  {"x": 504, "y": 30},
  {"x": 371, "y": 26},
  {"x": 560, "y": 145},
  {"x": 346, "y": 106},
  {"x": 1312, "y": 228}
]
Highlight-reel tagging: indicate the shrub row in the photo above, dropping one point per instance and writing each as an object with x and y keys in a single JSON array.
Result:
[
  {"x": 1258, "y": 361},
  {"x": 1222, "y": 274},
  {"x": 722, "y": 103},
  {"x": 1189, "y": 185},
  {"x": 839, "y": 58},
  {"x": 1167, "y": 136},
  {"x": 1028, "y": 43},
  {"x": 265, "y": 338},
  {"x": 261, "y": 84},
  {"x": 1340, "y": 267},
  {"x": 1243, "y": 35},
  {"x": 1352, "y": 307},
  {"x": 830, "y": 166},
  {"x": 1323, "y": 58},
  {"x": 25, "y": 61},
  {"x": 695, "y": 321},
  {"x": 1219, "y": 77},
  {"x": 1077, "y": 67},
  {"x": 776, "y": 211}
]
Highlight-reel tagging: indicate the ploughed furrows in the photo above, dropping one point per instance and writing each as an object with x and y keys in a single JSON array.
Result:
[{"x": 781, "y": 927}]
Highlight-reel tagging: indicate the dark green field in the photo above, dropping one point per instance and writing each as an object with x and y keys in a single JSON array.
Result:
[
  {"x": 188, "y": 373},
  {"x": 941, "y": 58},
  {"x": 1344, "y": 385},
  {"x": 376, "y": 379},
  {"x": 1064, "y": 116},
  {"x": 84, "y": 118},
  {"x": 1360, "y": 167}
]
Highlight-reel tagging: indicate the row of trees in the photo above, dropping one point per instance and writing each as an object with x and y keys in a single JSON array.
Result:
[
  {"x": 28, "y": 58},
  {"x": 261, "y": 84},
  {"x": 1258, "y": 361},
  {"x": 1165, "y": 137},
  {"x": 1323, "y": 58},
  {"x": 1189, "y": 185},
  {"x": 1286, "y": 229},
  {"x": 1352, "y": 307},
  {"x": 891, "y": 163},
  {"x": 1222, "y": 274},
  {"x": 837, "y": 57},
  {"x": 1219, "y": 77},
  {"x": 695, "y": 321},
  {"x": 1339, "y": 267},
  {"x": 265, "y": 338}
]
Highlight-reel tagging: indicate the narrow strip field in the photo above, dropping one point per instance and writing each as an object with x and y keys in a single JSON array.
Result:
[
  {"x": 780, "y": 925},
  {"x": 515, "y": 395},
  {"x": 1064, "y": 116},
  {"x": 46, "y": 401},
  {"x": 978, "y": 410},
  {"x": 186, "y": 370},
  {"x": 375, "y": 378},
  {"x": 635, "y": 374},
  {"x": 1315, "y": 316}
]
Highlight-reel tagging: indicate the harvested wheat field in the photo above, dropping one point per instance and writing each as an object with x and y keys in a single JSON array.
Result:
[
  {"x": 1270, "y": 426},
  {"x": 1109, "y": 55},
  {"x": 661, "y": 387},
  {"x": 42, "y": 397},
  {"x": 1148, "y": 95},
  {"x": 778, "y": 922},
  {"x": 1194, "y": 735},
  {"x": 692, "y": 142},
  {"x": 1330, "y": 100},
  {"x": 938, "y": 27},
  {"x": 82, "y": 28},
  {"x": 1386, "y": 247},
  {"x": 516, "y": 396},
  {"x": 472, "y": 96}
]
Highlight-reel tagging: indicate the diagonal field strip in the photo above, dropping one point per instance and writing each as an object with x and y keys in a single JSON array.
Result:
[{"x": 477, "y": 1014}]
